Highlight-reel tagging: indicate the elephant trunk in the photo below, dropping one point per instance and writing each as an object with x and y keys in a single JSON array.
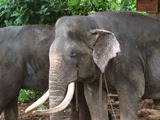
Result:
[
  {"x": 57, "y": 86},
  {"x": 60, "y": 76}
]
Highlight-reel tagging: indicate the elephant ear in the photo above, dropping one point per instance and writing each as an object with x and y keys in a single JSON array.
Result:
[{"x": 105, "y": 47}]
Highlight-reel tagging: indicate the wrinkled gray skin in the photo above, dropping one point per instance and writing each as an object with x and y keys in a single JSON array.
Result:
[
  {"x": 77, "y": 51},
  {"x": 24, "y": 63}
]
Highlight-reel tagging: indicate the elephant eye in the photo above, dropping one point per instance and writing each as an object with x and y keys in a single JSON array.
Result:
[{"x": 72, "y": 54}]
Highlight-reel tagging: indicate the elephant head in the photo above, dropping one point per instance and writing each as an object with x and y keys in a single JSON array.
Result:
[{"x": 79, "y": 53}]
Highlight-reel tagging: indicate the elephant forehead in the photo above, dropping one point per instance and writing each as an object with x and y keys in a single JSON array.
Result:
[
  {"x": 78, "y": 25},
  {"x": 70, "y": 22},
  {"x": 70, "y": 31}
]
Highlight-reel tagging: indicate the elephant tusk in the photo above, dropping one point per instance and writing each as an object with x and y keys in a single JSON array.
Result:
[
  {"x": 63, "y": 104},
  {"x": 39, "y": 102}
]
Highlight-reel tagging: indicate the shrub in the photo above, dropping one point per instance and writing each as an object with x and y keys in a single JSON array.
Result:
[
  {"x": 29, "y": 95},
  {"x": 22, "y": 12}
]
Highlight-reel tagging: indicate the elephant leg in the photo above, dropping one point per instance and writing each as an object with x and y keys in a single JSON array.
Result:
[
  {"x": 1, "y": 110},
  {"x": 128, "y": 106},
  {"x": 11, "y": 111},
  {"x": 129, "y": 102},
  {"x": 130, "y": 91},
  {"x": 92, "y": 98},
  {"x": 83, "y": 111},
  {"x": 2, "y": 105}
]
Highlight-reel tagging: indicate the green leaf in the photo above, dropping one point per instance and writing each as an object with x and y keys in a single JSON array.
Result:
[{"x": 42, "y": 107}]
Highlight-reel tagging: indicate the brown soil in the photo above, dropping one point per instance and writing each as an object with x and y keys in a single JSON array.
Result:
[{"x": 24, "y": 116}]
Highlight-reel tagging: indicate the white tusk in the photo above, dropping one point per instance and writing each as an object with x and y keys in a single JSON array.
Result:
[
  {"x": 39, "y": 102},
  {"x": 63, "y": 104}
]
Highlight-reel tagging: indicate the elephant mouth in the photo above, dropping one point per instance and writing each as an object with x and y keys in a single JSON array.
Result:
[{"x": 66, "y": 101}]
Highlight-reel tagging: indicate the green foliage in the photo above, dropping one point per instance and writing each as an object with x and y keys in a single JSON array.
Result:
[
  {"x": 29, "y": 95},
  {"x": 22, "y": 12},
  {"x": 125, "y": 5},
  {"x": 42, "y": 107}
]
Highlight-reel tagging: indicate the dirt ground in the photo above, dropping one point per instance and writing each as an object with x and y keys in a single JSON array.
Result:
[
  {"x": 23, "y": 116},
  {"x": 116, "y": 111}
]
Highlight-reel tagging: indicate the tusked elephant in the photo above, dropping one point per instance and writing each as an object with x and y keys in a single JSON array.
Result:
[
  {"x": 124, "y": 46},
  {"x": 24, "y": 63}
]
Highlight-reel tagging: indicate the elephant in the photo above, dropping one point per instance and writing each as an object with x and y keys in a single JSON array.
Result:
[
  {"x": 123, "y": 48},
  {"x": 24, "y": 64}
]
